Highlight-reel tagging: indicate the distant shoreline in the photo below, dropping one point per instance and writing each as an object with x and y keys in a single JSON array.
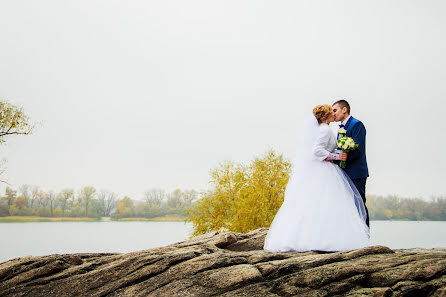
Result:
[
  {"x": 35, "y": 219},
  {"x": 168, "y": 218}
]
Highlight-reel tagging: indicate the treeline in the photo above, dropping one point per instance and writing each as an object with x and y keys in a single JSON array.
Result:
[
  {"x": 88, "y": 202},
  {"x": 414, "y": 209}
]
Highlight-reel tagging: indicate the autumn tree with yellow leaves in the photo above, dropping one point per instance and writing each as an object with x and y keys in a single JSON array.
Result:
[
  {"x": 13, "y": 121},
  {"x": 242, "y": 198}
]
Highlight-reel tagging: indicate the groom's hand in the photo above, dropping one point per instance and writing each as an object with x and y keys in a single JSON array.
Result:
[{"x": 343, "y": 156}]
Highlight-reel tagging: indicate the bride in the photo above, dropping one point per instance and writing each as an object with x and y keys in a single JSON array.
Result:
[{"x": 322, "y": 209}]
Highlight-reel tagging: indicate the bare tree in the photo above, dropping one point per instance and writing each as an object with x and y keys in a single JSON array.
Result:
[
  {"x": 175, "y": 198},
  {"x": 34, "y": 192},
  {"x": 42, "y": 197},
  {"x": 189, "y": 196},
  {"x": 52, "y": 199},
  {"x": 109, "y": 201},
  {"x": 155, "y": 196},
  {"x": 24, "y": 191}
]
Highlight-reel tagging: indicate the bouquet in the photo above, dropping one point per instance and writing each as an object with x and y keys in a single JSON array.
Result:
[{"x": 345, "y": 144}]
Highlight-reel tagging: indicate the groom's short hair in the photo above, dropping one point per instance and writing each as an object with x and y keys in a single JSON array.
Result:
[{"x": 342, "y": 104}]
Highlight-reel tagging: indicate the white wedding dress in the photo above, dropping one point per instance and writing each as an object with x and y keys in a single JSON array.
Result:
[{"x": 322, "y": 209}]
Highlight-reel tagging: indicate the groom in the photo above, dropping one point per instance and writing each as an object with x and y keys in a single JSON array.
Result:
[{"x": 356, "y": 167}]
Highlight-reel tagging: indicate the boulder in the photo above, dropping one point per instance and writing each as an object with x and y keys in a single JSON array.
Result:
[{"x": 229, "y": 264}]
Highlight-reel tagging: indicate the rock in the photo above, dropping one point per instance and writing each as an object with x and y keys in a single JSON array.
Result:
[{"x": 229, "y": 264}]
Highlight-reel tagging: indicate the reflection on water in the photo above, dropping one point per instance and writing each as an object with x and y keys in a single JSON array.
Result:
[{"x": 37, "y": 239}]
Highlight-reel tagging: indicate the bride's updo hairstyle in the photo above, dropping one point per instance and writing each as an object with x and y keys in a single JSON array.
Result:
[{"x": 321, "y": 112}]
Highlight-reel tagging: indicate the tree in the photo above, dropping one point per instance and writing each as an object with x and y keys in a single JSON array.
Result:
[
  {"x": 75, "y": 206},
  {"x": 189, "y": 197},
  {"x": 95, "y": 209},
  {"x": 108, "y": 201},
  {"x": 243, "y": 198},
  {"x": 52, "y": 199},
  {"x": 21, "y": 202},
  {"x": 13, "y": 121},
  {"x": 155, "y": 197},
  {"x": 216, "y": 208},
  {"x": 4, "y": 209},
  {"x": 141, "y": 209},
  {"x": 263, "y": 194},
  {"x": 24, "y": 191},
  {"x": 388, "y": 213},
  {"x": 63, "y": 198},
  {"x": 34, "y": 197},
  {"x": 175, "y": 198},
  {"x": 86, "y": 195},
  {"x": 42, "y": 198},
  {"x": 43, "y": 209},
  {"x": 10, "y": 195},
  {"x": 440, "y": 205},
  {"x": 126, "y": 207}
]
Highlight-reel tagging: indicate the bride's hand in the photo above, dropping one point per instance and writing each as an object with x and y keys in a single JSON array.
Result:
[{"x": 343, "y": 156}]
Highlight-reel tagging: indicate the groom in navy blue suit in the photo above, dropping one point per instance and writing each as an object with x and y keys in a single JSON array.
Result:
[{"x": 356, "y": 167}]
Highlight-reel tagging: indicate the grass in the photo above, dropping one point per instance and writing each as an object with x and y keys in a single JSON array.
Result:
[
  {"x": 171, "y": 218},
  {"x": 25, "y": 219}
]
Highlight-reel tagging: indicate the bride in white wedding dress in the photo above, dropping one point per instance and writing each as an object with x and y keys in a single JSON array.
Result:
[{"x": 322, "y": 209}]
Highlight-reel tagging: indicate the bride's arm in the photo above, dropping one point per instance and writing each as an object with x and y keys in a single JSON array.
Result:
[
  {"x": 332, "y": 157},
  {"x": 320, "y": 151}
]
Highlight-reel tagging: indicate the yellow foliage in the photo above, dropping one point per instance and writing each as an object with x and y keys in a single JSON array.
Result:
[
  {"x": 125, "y": 207},
  {"x": 388, "y": 213},
  {"x": 13, "y": 120},
  {"x": 243, "y": 198}
]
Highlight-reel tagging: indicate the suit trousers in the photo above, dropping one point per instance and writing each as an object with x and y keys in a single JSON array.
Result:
[{"x": 360, "y": 185}]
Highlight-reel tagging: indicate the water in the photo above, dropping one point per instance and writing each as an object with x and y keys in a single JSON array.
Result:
[
  {"x": 406, "y": 235},
  {"x": 37, "y": 239}
]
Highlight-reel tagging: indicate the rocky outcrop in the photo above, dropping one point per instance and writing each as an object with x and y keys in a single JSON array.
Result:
[{"x": 229, "y": 264}]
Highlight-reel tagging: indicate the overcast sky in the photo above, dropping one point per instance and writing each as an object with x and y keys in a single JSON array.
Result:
[{"x": 135, "y": 94}]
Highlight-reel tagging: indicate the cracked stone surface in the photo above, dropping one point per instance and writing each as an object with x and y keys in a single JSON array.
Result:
[{"x": 229, "y": 264}]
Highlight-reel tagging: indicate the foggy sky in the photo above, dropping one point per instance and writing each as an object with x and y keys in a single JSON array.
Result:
[{"x": 138, "y": 94}]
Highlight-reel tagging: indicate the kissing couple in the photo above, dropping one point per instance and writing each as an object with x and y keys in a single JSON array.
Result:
[{"x": 324, "y": 205}]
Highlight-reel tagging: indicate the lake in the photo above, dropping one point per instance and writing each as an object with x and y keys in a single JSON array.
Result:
[{"x": 37, "y": 239}]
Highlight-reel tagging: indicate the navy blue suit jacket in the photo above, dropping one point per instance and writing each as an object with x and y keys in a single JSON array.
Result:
[{"x": 356, "y": 159}]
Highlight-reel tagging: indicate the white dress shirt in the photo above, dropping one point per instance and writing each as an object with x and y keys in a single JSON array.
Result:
[{"x": 346, "y": 120}]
